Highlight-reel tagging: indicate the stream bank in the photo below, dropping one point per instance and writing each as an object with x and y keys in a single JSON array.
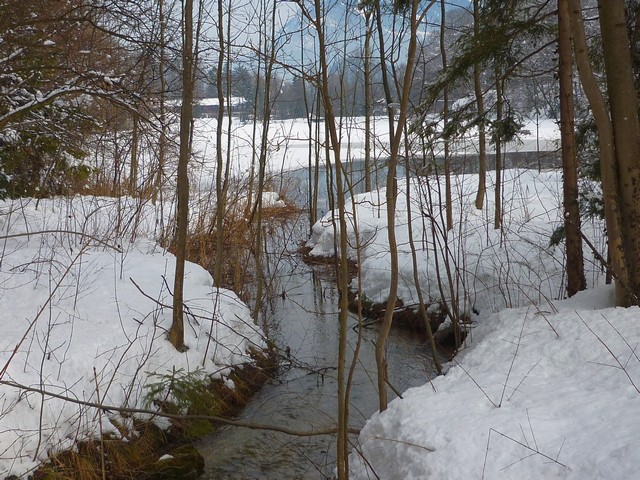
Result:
[
  {"x": 154, "y": 453},
  {"x": 301, "y": 317}
]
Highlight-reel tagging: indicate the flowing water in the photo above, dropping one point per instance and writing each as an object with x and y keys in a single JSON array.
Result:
[{"x": 302, "y": 318}]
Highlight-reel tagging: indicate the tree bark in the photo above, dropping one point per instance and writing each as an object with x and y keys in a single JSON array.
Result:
[
  {"x": 445, "y": 118},
  {"x": 162, "y": 142},
  {"x": 220, "y": 163},
  {"x": 482, "y": 137},
  {"x": 332, "y": 146},
  {"x": 367, "y": 102},
  {"x": 256, "y": 217},
  {"x": 573, "y": 241},
  {"x": 608, "y": 169},
  {"x": 623, "y": 106},
  {"x": 135, "y": 143},
  {"x": 392, "y": 187},
  {"x": 176, "y": 332},
  {"x": 497, "y": 220}
]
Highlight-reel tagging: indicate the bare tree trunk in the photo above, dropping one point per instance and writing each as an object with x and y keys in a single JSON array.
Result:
[
  {"x": 256, "y": 216},
  {"x": 317, "y": 149},
  {"x": 392, "y": 186},
  {"x": 332, "y": 146},
  {"x": 497, "y": 220},
  {"x": 445, "y": 118},
  {"x": 608, "y": 169},
  {"x": 414, "y": 260},
  {"x": 575, "y": 263},
  {"x": 367, "y": 101},
  {"x": 623, "y": 106},
  {"x": 254, "y": 134},
  {"x": 220, "y": 163},
  {"x": 482, "y": 137},
  {"x": 176, "y": 332},
  {"x": 135, "y": 143},
  {"x": 162, "y": 143},
  {"x": 312, "y": 180}
]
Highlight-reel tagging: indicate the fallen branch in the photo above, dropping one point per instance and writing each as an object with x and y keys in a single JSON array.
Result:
[{"x": 212, "y": 418}]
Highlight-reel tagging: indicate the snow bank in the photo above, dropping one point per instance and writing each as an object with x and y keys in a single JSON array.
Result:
[
  {"x": 84, "y": 309},
  {"x": 489, "y": 269},
  {"x": 544, "y": 392}
]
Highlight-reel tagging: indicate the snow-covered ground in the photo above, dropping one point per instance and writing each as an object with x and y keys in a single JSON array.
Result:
[
  {"x": 84, "y": 308},
  {"x": 489, "y": 269},
  {"x": 544, "y": 387},
  {"x": 289, "y": 141},
  {"x": 547, "y": 391}
]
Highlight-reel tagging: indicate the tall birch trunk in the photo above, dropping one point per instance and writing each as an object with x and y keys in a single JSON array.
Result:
[
  {"x": 220, "y": 163},
  {"x": 497, "y": 218},
  {"x": 445, "y": 118}
]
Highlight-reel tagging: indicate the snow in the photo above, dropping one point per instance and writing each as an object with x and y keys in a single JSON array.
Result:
[
  {"x": 85, "y": 307},
  {"x": 494, "y": 269},
  {"x": 210, "y": 102},
  {"x": 288, "y": 141},
  {"x": 542, "y": 392},
  {"x": 544, "y": 387}
]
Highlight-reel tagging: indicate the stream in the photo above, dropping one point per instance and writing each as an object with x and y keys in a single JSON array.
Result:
[{"x": 302, "y": 315}]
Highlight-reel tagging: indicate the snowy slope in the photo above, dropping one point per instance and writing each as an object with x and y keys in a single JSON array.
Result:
[
  {"x": 490, "y": 269},
  {"x": 85, "y": 313},
  {"x": 543, "y": 392}
]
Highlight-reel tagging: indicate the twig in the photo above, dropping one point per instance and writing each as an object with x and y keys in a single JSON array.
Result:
[
  {"x": 404, "y": 442},
  {"x": 40, "y": 311},
  {"x": 201, "y": 317},
  {"x": 102, "y": 464},
  {"x": 513, "y": 360},
  {"x": 633, "y": 350},
  {"x": 608, "y": 350},
  {"x": 395, "y": 390},
  {"x": 365, "y": 460},
  {"x": 476, "y": 383},
  {"x": 117, "y": 248},
  {"x": 523, "y": 379},
  {"x": 608, "y": 267},
  {"x": 533, "y": 435},
  {"x": 534, "y": 451},
  {"x": 212, "y": 418}
]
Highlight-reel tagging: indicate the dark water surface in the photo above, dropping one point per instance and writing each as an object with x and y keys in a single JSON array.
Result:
[{"x": 303, "y": 316}]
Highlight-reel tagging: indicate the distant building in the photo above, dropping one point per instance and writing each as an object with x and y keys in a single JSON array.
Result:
[{"x": 208, "y": 107}]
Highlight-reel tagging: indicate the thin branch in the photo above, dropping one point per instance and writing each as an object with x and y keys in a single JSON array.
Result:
[
  {"x": 212, "y": 418},
  {"x": 609, "y": 350},
  {"x": 117, "y": 248},
  {"x": 477, "y": 384}
]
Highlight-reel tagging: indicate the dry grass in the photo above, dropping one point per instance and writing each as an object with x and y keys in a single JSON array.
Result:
[
  {"x": 114, "y": 459},
  {"x": 110, "y": 458},
  {"x": 238, "y": 243}
]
